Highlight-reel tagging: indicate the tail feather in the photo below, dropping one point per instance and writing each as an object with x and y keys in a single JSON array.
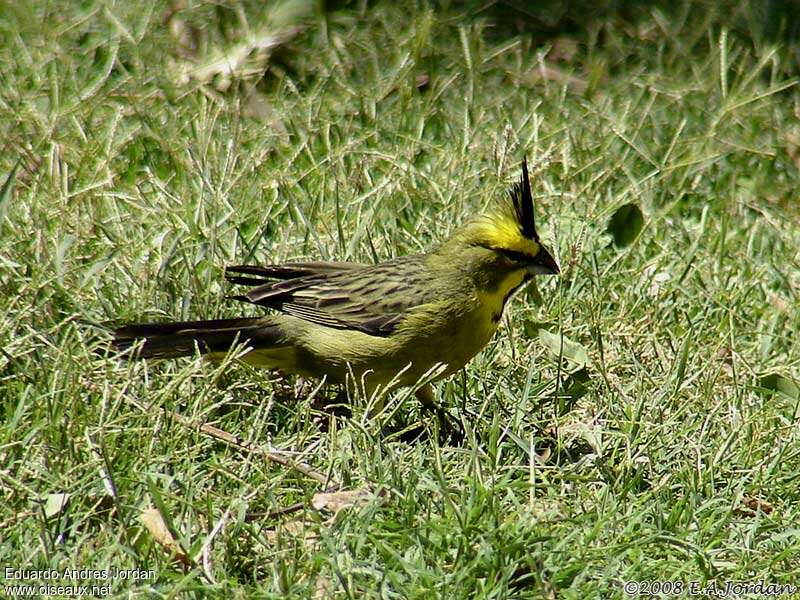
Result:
[{"x": 171, "y": 340}]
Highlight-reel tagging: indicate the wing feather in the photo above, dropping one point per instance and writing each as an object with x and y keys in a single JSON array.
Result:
[
  {"x": 262, "y": 274},
  {"x": 369, "y": 298}
]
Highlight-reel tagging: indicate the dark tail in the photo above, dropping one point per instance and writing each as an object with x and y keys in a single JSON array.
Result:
[{"x": 170, "y": 340}]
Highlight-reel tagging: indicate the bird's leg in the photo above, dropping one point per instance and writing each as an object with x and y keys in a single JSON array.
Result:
[
  {"x": 451, "y": 431},
  {"x": 426, "y": 397},
  {"x": 301, "y": 388},
  {"x": 338, "y": 405}
]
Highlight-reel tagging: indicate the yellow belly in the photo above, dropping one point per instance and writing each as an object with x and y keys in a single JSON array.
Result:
[{"x": 441, "y": 333}]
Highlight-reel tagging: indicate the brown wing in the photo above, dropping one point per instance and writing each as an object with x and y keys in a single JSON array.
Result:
[
  {"x": 255, "y": 275},
  {"x": 370, "y": 298}
]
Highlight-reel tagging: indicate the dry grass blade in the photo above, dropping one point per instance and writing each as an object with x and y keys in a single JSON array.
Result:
[
  {"x": 246, "y": 60},
  {"x": 154, "y": 522},
  {"x": 275, "y": 456},
  {"x": 336, "y": 501}
]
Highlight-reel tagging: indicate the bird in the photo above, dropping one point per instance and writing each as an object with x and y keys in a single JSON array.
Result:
[{"x": 385, "y": 325}]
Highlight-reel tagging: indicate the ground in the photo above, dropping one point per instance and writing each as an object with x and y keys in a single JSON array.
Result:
[{"x": 635, "y": 419}]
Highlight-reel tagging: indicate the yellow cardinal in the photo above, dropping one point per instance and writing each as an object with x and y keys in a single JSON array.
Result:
[{"x": 387, "y": 324}]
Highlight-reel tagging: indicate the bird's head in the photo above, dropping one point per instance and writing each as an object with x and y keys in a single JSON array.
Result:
[{"x": 509, "y": 233}]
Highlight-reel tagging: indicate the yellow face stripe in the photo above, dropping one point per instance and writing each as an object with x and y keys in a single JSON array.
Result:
[{"x": 502, "y": 233}]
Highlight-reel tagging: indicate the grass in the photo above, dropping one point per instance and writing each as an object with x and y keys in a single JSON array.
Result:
[{"x": 673, "y": 455}]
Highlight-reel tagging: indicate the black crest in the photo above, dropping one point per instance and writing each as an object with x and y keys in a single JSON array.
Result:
[{"x": 522, "y": 203}]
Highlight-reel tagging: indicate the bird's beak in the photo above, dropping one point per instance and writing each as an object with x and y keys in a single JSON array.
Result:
[{"x": 543, "y": 264}]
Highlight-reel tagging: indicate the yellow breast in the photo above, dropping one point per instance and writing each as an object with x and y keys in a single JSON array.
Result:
[{"x": 492, "y": 303}]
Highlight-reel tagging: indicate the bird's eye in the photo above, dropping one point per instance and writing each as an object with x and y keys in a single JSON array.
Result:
[{"x": 517, "y": 257}]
